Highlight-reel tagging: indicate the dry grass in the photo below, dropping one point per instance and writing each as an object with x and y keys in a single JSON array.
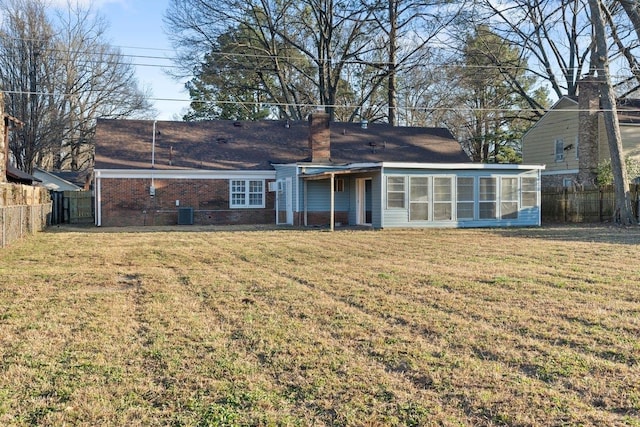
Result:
[{"x": 309, "y": 328}]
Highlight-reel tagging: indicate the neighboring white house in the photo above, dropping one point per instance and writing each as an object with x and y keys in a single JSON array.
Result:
[{"x": 54, "y": 182}]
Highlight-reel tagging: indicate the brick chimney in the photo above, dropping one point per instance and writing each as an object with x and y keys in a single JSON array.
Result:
[
  {"x": 589, "y": 106},
  {"x": 319, "y": 137}
]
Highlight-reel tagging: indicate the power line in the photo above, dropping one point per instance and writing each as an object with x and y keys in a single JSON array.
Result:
[{"x": 314, "y": 106}]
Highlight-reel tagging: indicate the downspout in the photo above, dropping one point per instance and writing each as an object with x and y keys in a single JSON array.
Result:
[
  {"x": 98, "y": 198},
  {"x": 153, "y": 159},
  {"x": 306, "y": 222},
  {"x": 538, "y": 187},
  {"x": 332, "y": 214}
]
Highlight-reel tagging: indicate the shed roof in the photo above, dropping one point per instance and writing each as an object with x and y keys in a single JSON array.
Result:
[
  {"x": 229, "y": 145},
  {"x": 16, "y": 175}
]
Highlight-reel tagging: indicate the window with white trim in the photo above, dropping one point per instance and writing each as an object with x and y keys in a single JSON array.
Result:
[
  {"x": 395, "y": 192},
  {"x": 442, "y": 198},
  {"x": 464, "y": 197},
  {"x": 508, "y": 198},
  {"x": 488, "y": 198},
  {"x": 246, "y": 193},
  {"x": 559, "y": 150},
  {"x": 338, "y": 185},
  {"x": 529, "y": 192},
  {"x": 419, "y": 198}
]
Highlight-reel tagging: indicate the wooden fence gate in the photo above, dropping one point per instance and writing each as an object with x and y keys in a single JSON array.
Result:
[{"x": 72, "y": 207}]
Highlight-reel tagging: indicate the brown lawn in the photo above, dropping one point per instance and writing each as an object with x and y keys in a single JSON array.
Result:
[{"x": 197, "y": 327}]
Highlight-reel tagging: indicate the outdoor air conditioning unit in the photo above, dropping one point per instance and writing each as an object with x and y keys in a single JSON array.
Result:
[
  {"x": 273, "y": 185},
  {"x": 185, "y": 216}
]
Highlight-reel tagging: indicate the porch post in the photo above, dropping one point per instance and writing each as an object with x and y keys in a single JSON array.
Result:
[
  {"x": 305, "y": 203},
  {"x": 332, "y": 220}
]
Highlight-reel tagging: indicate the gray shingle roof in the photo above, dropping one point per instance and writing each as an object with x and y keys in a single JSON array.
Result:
[{"x": 127, "y": 144}]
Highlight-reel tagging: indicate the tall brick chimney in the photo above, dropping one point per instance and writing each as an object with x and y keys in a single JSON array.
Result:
[
  {"x": 589, "y": 106},
  {"x": 319, "y": 137}
]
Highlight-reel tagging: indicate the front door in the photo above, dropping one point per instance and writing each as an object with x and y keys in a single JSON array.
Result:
[
  {"x": 363, "y": 201},
  {"x": 284, "y": 202}
]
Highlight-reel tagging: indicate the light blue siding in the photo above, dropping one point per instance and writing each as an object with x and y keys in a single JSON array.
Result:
[
  {"x": 318, "y": 194},
  {"x": 399, "y": 217}
]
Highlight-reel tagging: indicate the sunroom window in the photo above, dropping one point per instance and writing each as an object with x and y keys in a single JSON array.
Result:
[
  {"x": 395, "y": 192},
  {"x": 465, "y": 199},
  {"x": 488, "y": 198},
  {"x": 442, "y": 198},
  {"x": 419, "y": 199},
  {"x": 509, "y": 198}
]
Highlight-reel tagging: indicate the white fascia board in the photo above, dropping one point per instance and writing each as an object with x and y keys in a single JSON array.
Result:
[
  {"x": 184, "y": 174},
  {"x": 462, "y": 166}
]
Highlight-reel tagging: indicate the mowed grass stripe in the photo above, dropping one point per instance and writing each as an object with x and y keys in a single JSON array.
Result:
[
  {"x": 384, "y": 307},
  {"x": 288, "y": 331}
]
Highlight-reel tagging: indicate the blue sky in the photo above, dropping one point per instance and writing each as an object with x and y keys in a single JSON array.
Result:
[{"x": 136, "y": 27}]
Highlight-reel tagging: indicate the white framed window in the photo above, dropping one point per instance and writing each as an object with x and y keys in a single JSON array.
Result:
[
  {"x": 419, "y": 198},
  {"x": 338, "y": 185},
  {"x": 488, "y": 198},
  {"x": 509, "y": 198},
  {"x": 442, "y": 198},
  {"x": 529, "y": 192},
  {"x": 396, "y": 189},
  {"x": 465, "y": 200},
  {"x": 246, "y": 193},
  {"x": 559, "y": 150}
]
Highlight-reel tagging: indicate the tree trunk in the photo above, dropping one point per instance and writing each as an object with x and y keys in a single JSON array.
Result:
[
  {"x": 624, "y": 213},
  {"x": 392, "y": 89}
]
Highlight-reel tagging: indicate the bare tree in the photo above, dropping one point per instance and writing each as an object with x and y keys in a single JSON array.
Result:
[
  {"x": 554, "y": 35},
  {"x": 408, "y": 29},
  {"x": 59, "y": 76},
  {"x": 297, "y": 44},
  {"x": 25, "y": 71},
  {"x": 608, "y": 99}
]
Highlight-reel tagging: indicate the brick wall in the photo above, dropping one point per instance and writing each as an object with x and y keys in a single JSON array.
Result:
[
  {"x": 321, "y": 218},
  {"x": 588, "y": 104},
  {"x": 557, "y": 181},
  {"x": 127, "y": 202}
]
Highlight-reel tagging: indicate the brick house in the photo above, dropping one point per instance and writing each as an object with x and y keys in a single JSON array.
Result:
[{"x": 298, "y": 173}]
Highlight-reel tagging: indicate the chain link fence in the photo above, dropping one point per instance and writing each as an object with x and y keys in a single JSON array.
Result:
[
  {"x": 24, "y": 210},
  {"x": 19, "y": 221}
]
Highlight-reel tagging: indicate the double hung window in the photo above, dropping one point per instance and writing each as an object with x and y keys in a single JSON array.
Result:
[
  {"x": 529, "y": 192},
  {"x": 395, "y": 192},
  {"x": 247, "y": 193}
]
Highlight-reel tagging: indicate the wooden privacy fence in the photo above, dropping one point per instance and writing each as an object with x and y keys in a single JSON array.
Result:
[{"x": 580, "y": 205}]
